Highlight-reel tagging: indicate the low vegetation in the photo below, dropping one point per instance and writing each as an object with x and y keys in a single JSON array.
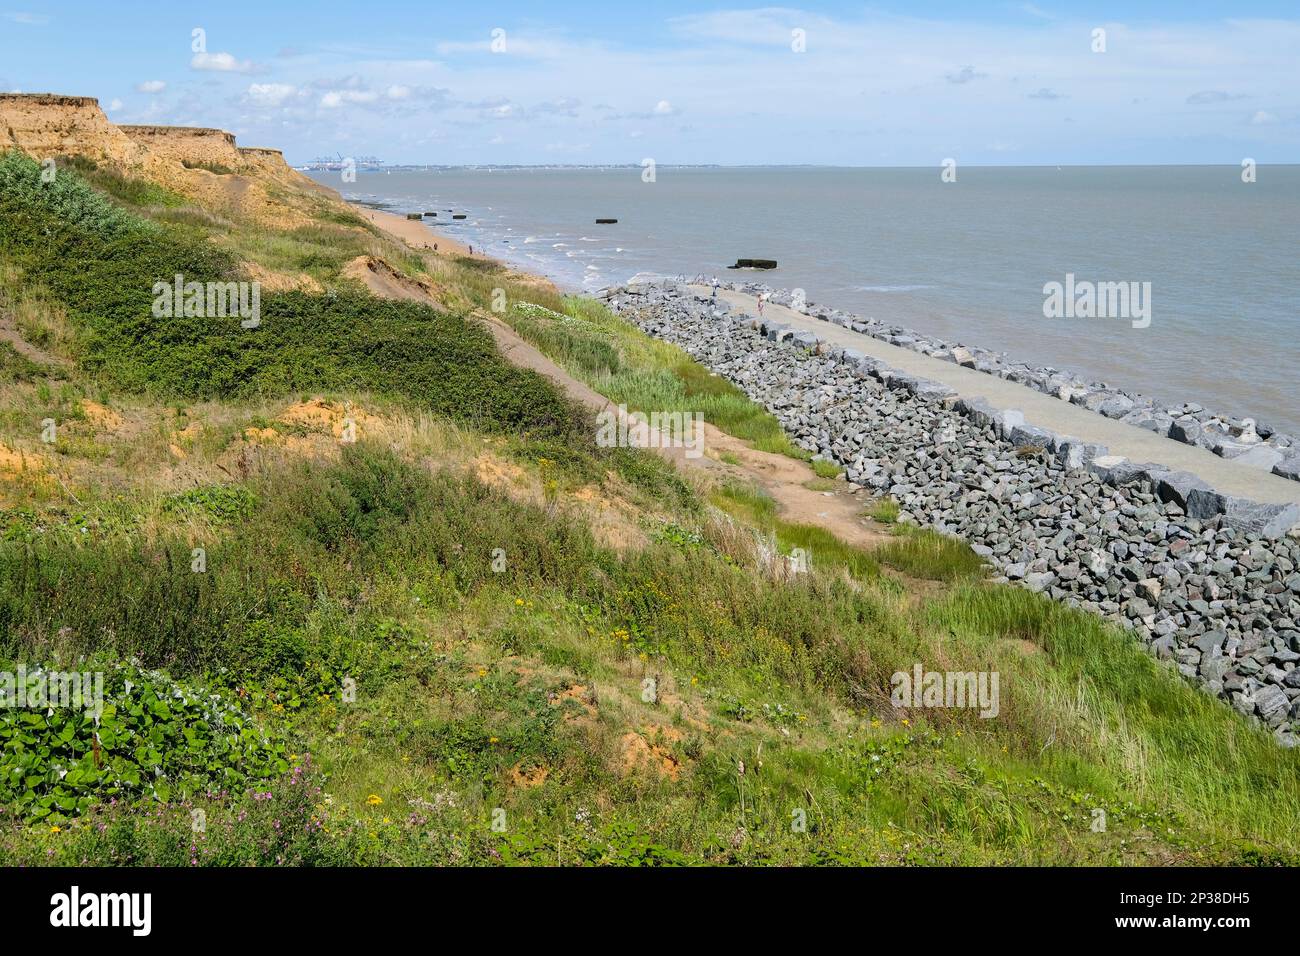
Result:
[{"x": 473, "y": 637}]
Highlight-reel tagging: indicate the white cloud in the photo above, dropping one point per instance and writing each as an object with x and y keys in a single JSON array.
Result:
[
  {"x": 270, "y": 94},
  {"x": 28, "y": 19},
  {"x": 1263, "y": 118},
  {"x": 336, "y": 98},
  {"x": 221, "y": 63},
  {"x": 733, "y": 73},
  {"x": 150, "y": 86}
]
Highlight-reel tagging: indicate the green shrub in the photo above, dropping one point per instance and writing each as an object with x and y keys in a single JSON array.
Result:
[{"x": 153, "y": 738}]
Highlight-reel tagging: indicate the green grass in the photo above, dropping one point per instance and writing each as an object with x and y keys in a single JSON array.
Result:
[
  {"x": 400, "y": 688},
  {"x": 924, "y": 553},
  {"x": 825, "y": 469},
  {"x": 219, "y": 169},
  {"x": 133, "y": 192},
  {"x": 628, "y": 367},
  {"x": 377, "y": 570},
  {"x": 884, "y": 510},
  {"x": 757, "y": 509}
]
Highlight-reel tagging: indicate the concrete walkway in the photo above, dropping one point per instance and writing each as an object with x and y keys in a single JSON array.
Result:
[{"x": 1045, "y": 411}]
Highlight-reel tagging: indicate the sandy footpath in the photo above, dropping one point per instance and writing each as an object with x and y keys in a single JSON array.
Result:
[
  {"x": 414, "y": 233},
  {"x": 839, "y": 511}
]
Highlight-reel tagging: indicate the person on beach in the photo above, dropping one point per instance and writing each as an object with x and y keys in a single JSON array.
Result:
[
  {"x": 760, "y": 305},
  {"x": 715, "y": 288}
]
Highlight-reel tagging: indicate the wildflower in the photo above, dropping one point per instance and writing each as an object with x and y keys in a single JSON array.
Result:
[
  {"x": 519, "y": 602},
  {"x": 56, "y": 829},
  {"x": 906, "y": 722},
  {"x": 494, "y": 740},
  {"x": 374, "y": 800},
  {"x": 875, "y": 723}
]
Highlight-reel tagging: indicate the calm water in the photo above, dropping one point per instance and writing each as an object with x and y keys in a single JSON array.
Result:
[{"x": 965, "y": 260}]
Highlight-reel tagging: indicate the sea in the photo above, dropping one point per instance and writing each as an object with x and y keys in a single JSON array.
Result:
[{"x": 1211, "y": 253}]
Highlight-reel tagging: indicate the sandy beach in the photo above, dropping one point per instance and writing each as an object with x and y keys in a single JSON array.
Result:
[{"x": 414, "y": 233}]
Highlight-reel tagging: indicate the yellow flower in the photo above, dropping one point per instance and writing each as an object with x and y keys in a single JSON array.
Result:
[
  {"x": 405, "y": 759},
  {"x": 56, "y": 829},
  {"x": 386, "y": 820},
  {"x": 519, "y": 602},
  {"x": 694, "y": 681},
  {"x": 906, "y": 722},
  {"x": 875, "y": 723},
  {"x": 374, "y": 800},
  {"x": 494, "y": 740},
  {"x": 482, "y": 672}
]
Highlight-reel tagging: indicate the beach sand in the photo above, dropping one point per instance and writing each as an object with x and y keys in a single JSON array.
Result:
[{"x": 414, "y": 233}]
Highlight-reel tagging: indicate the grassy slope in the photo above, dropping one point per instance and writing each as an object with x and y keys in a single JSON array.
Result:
[{"x": 596, "y": 699}]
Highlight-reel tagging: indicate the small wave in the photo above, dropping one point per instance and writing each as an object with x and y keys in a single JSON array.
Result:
[
  {"x": 530, "y": 238},
  {"x": 559, "y": 245}
]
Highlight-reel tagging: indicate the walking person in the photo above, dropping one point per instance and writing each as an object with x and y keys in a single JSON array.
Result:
[
  {"x": 761, "y": 297},
  {"x": 715, "y": 288}
]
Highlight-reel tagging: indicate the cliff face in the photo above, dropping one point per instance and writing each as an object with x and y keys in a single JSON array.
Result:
[
  {"x": 45, "y": 125},
  {"x": 202, "y": 164},
  {"x": 188, "y": 145}
]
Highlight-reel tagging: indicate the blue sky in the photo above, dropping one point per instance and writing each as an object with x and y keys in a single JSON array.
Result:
[{"x": 617, "y": 82}]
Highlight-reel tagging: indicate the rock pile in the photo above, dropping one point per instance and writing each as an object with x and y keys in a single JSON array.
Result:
[{"x": 1209, "y": 583}]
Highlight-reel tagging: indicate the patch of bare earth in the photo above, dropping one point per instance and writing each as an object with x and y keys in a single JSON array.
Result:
[
  {"x": 387, "y": 283},
  {"x": 650, "y": 749}
]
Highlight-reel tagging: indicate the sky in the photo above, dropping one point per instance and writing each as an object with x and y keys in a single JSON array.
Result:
[{"x": 620, "y": 81}]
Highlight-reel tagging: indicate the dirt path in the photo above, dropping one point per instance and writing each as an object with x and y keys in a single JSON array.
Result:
[
  {"x": 839, "y": 511},
  {"x": 9, "y": 333}
]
